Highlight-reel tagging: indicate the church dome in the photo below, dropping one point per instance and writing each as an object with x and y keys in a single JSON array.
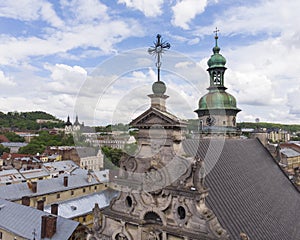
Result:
[
  {"x": 159, "y": 88},
  {"x": 217, "y": 100},
  {"x": 216, "y": 60}
]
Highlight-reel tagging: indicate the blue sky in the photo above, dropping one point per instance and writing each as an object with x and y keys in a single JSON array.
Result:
[{"x": 89, "y": 57}]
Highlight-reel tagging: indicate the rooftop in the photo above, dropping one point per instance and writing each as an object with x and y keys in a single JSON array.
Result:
[
  {"x": 18, "y": 190},
  {"x": 23, "y": 221},
  {"x": 248, "y": 190},
  {"x": 83, "y": 205}
]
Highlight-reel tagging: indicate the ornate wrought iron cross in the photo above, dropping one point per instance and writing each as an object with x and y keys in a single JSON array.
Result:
[{"x": 157, "y": 50}]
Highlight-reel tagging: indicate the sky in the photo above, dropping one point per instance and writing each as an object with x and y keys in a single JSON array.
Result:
[{"x": 90, "y": 57}]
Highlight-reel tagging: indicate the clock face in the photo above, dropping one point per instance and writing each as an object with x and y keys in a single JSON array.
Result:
[{"x": 210, "y": 121}]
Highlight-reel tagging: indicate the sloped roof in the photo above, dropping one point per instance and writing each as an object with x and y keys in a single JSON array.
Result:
[
  {"x": 83, "y": 205},
  {"x": 169, "y": 119},
  {"x": 289, "y": 152},
  {"x": 17, "y": 190},
  {"x": 248, "y": 191},
  {"x": 22, "y": 221}
]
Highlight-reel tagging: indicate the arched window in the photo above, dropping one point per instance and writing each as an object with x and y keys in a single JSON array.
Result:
[{"x": 152, "y": 217}]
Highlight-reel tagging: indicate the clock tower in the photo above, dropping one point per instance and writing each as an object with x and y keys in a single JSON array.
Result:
[{"x": 217, "y": 109}]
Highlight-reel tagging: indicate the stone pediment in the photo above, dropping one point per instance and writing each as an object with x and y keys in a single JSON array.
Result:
[{"x": 153, "y": 116}]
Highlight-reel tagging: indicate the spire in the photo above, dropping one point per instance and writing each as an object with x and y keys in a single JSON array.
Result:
[
  {"x": 76, "y": 121},
  {"x": 157, "y": 50},
  {"x": 216, "y": 49},
  {"x": 216, "y": 65},
  {"x": 68, "y": 123}
]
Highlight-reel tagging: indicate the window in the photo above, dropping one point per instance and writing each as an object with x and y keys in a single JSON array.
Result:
[
  {"x": 83, "y": 190},
  {"x": 72, "y": 192},
  {"x": 83, "y": 219},
  {"x": 0, "y": 235},
  {"x": 58, "y": 195},
  {"x": 95, "y": 187}
]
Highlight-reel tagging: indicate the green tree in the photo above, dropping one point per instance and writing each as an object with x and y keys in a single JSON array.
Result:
[
  {"x": 13, "y": 137},
  {"x": 32, "y": 148},
  {"x": 4, "y": 149},
  {"x": 112, "y": 154}
]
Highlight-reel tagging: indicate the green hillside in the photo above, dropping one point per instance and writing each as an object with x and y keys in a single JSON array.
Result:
[{"x": 28, "y": 120}]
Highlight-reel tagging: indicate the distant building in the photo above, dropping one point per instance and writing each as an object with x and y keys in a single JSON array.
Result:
[
  {"x": 279, "y": 135},
  {"x": 290, "y": 158},
  {"x": 52, "y": 190},
  {"x": 76, "y": 126},
  {"x": 14, "y": 146}
]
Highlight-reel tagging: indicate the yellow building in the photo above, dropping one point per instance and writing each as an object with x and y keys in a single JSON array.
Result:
[{"x": 290, "y": 158}]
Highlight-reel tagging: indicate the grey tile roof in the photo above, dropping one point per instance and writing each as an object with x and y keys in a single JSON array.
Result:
[
  {"x": 55, "y": 167},
  {"x": 22, "y": 220},
  {"x": 10, "y": 176},
  {"x": 34, "y": 173},
  {"x": 289, "y": 152},
  {"x": 84, "y": 205},
  {"x": 248, "y": 191},
  {"x": 16, "y": 191}
]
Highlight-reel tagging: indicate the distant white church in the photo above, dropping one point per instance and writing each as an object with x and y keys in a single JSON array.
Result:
[{"x": 76, "y": 126}]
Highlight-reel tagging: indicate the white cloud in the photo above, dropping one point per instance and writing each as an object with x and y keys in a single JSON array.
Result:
[
  {"x": 6, "y": 81},
  {"x": 65, "y": 79},
  {"x": 148, "y": 8},
  {"x": 29, "y": 10},
  {"x": 13, "y": 50},
  {"x": 85, "y": 11},
  {"x": 186, "y": 10},
  {"x": 293, "y": 101}
]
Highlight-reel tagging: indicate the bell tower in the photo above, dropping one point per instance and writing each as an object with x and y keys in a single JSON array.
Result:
[{"x": 217, "y": 109}]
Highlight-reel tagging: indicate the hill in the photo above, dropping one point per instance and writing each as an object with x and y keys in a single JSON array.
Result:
[{"x": 29, "y": 120}]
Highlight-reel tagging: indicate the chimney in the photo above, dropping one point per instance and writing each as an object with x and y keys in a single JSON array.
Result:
[
  {"x": 26, "y": 201},
  {"x": 34, "y": 187},
  {"x": 40, "y": 205},
  {"x": 65, "y": 181},
  {"x": 54, "y": 209},
  {"x": 48, "y": 226}
]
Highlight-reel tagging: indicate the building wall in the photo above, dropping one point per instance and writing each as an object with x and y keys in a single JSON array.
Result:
[
  {"x": 6, "y": 235},
  {"x": 291, "y": 162},
  {"x": 64, "y": 195}
]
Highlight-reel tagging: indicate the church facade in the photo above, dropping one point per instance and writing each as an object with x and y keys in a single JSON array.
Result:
[{"x": 214, "y": 187}]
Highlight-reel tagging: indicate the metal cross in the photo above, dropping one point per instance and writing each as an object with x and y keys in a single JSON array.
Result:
[
  {"x": 216, "y": 36},
  {"x": 216, "y": 31},
  {"x": 157, "y": 50}
]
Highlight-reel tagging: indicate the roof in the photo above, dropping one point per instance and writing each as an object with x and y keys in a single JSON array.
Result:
[
  {"x": 3, "y": 138},
  {"x": 10, "y": 176},
  {"x": 83, "y": 205},
  {"x": 66, "y": 166},
  {"x": 23, "y": 221},
  {"x": 16, "y": 191},
  {"x": 34, "y": 173},
  {"x": 14, "y": 144},
  {"x": 289, "y": 152},
  {"x": 248, "y": 191}
]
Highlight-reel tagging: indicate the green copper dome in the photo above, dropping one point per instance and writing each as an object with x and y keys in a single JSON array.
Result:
[
  {"x": 159, "y": 88},
  {"x": 216, "y": 60},
  {"x": 217, "y": 100}
]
